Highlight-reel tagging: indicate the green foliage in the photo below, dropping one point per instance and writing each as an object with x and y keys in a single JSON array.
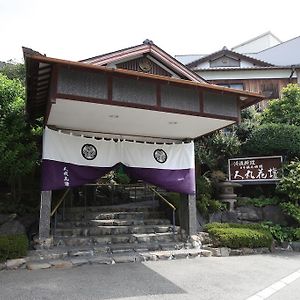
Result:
[
  {"x": 13, "y": 246},
  {"x": 279, "y": 233},
  {"x": 122, "y": 178},
  {"x": 214, "y": 150},
  {"x": 285, "y": 110},
  {"x": 258, "y": 202},
  {"x": 205, "y": 204},
  {"x": 249, "y": 121},
  {"x": 14, "y": 71},
  {"x": 204, "y": 186},
  {"x": 290, "y": 181},
  {"x": 273, "y": 139},
  {"x": 208, "y": 206},
  {"x": 213, "y": 225},
  {"x": 297, "y": 234},
  {"x": 238, "y": 236},
  {"x": 18, "y": 147},
  {"x": 291, "y": 210}
]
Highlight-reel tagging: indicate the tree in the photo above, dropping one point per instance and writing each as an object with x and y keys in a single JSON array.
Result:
[
  {"x": 18, "y": 148},
  {"x": 14, "y": 70},
  {"x": 250, "y": 119},
  {"x": 285, "y": 110},
  {"x": 274, "y": 139},
  {"x": 290, "y": 181},
  {"x": 214, "y": 150}
]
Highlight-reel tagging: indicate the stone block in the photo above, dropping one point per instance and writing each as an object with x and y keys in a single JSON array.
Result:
[
  {"x": 61, "y": 264},
  {"x": 224, "y": 251},
  {"x": 37, "y": 265},
  {"x": 295, "y": 246},
  {"x": 146, "y": 256},
  {"x": 247, "y": 251},
  {"x": 204, "y": 238},
  {"x": 215, "y": 251},
  {"x": 274, "y": 214},
  {"x": 79, "y": 261},
  {"x": 179, "y": 254},
  {"x": 205, "y": 253},
  {"x": 235, "y": 252},
  {"x": 13, "y": 264},
  {"x": 124, "y": 258},
  {"x": 80, "y": 253},
  {"x": 249, "y": 213},
  {"x": 101, "y": 259},
  {"x": 229, "y": 217}
]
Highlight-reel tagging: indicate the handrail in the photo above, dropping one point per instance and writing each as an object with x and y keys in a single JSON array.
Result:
[
  {"x": 163, "y": 198},
  {"x": 170, "y": 205},
  {"x": 60, "y": 202}
]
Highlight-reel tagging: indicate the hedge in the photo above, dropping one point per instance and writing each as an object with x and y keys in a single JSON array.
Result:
[
  {"x": 13, "y": 246},
  {"x": 239, "y": 235}
]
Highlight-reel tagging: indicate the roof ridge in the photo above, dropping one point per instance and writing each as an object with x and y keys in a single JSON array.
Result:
[
  {"x": 279, "y": 44},
  {"x": 192, "y": 64},
  {"x": 257, "y": 37}
]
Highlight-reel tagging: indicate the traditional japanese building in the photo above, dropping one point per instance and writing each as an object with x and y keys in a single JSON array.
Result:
[{"x": 137, "y": 106}]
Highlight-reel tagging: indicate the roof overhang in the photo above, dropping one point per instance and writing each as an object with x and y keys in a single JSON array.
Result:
[{"x": 108, "y": 116}]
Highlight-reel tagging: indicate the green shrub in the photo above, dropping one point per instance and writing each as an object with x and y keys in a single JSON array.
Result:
[
  {"x": 239, "y": 235},
  {"x": 208, "y": 206},
  {"x": 122, "y": 178},
  {"x": 291, "y": 210},
  {"x": 297, "y": 234},
  {"x": 273, "y": 139},
  {"x": 13, "y": 246},
  {"x": 290, "y": 181},
  {"x": 280, "y": 233}
]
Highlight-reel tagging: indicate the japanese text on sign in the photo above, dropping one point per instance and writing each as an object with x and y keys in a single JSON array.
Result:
[{"x": 263, "y": 169}]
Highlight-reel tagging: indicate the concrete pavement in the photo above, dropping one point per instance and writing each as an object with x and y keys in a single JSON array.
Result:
[{"x": 221, "y": 278}]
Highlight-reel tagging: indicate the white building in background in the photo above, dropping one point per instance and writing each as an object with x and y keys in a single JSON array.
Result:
[{"x": 262, "y": 64}]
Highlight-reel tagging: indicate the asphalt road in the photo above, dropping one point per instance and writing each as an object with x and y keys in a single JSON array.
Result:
[{"x": 202, "y": 278}]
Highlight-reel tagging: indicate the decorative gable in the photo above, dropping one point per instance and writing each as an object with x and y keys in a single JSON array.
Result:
[
  {"x": 224, "y": 61},
  {"x": 146, "y": 65},
  {"x": 147, "y": 58}
]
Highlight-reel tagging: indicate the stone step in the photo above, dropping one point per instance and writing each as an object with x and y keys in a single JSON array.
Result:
[
  {"x": 114, "y": 229},
  {"x": 92, "y": 250},
  {"x": 112, "y": 222},
  {"x": 113, "y": 215},
  {"x": 37, "y": 261},
  {"x": 112, "y": 208},
  {"x": 113, "y": 239}
]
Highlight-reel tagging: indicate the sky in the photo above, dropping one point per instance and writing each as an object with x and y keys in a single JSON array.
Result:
[{"x": 74, "y": 30}]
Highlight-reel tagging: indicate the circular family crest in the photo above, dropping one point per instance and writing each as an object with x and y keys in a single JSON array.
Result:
[
  {"x": 160, "y": 156},
  {"x": 89, "y": 151}
]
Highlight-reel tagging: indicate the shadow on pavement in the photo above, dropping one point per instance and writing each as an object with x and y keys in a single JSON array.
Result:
[{"x": 86, "y": 282}]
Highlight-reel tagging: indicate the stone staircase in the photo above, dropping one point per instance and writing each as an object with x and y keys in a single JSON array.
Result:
[
  {"x": 131, "y": 232},
  {"x": 139, "y": 224}
]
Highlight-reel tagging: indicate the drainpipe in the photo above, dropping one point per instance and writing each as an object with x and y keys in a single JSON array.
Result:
[{"x": 292, "y": 73}]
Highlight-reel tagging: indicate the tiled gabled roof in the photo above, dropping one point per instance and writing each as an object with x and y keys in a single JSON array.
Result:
[
  {"x": 148, "y": 47},
  {"x": 230, "y": 53}
]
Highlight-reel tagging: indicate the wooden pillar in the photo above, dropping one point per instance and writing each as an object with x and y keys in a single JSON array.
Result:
[
  {"x": 45, "y": 215},
  {"x": 188, "y": 214}
]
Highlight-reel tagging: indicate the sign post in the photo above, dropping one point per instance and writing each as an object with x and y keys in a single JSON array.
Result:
[{"x": 254, "y": 170}]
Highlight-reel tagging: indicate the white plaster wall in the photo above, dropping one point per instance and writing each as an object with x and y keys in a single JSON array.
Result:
[
  {"x": 204, "y": 65},
  {"x": 246, "y": 74},
  {"x": 257, "y": 45}
]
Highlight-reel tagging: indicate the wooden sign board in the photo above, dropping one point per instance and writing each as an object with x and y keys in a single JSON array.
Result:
[{"x": 259, "y": 170}]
